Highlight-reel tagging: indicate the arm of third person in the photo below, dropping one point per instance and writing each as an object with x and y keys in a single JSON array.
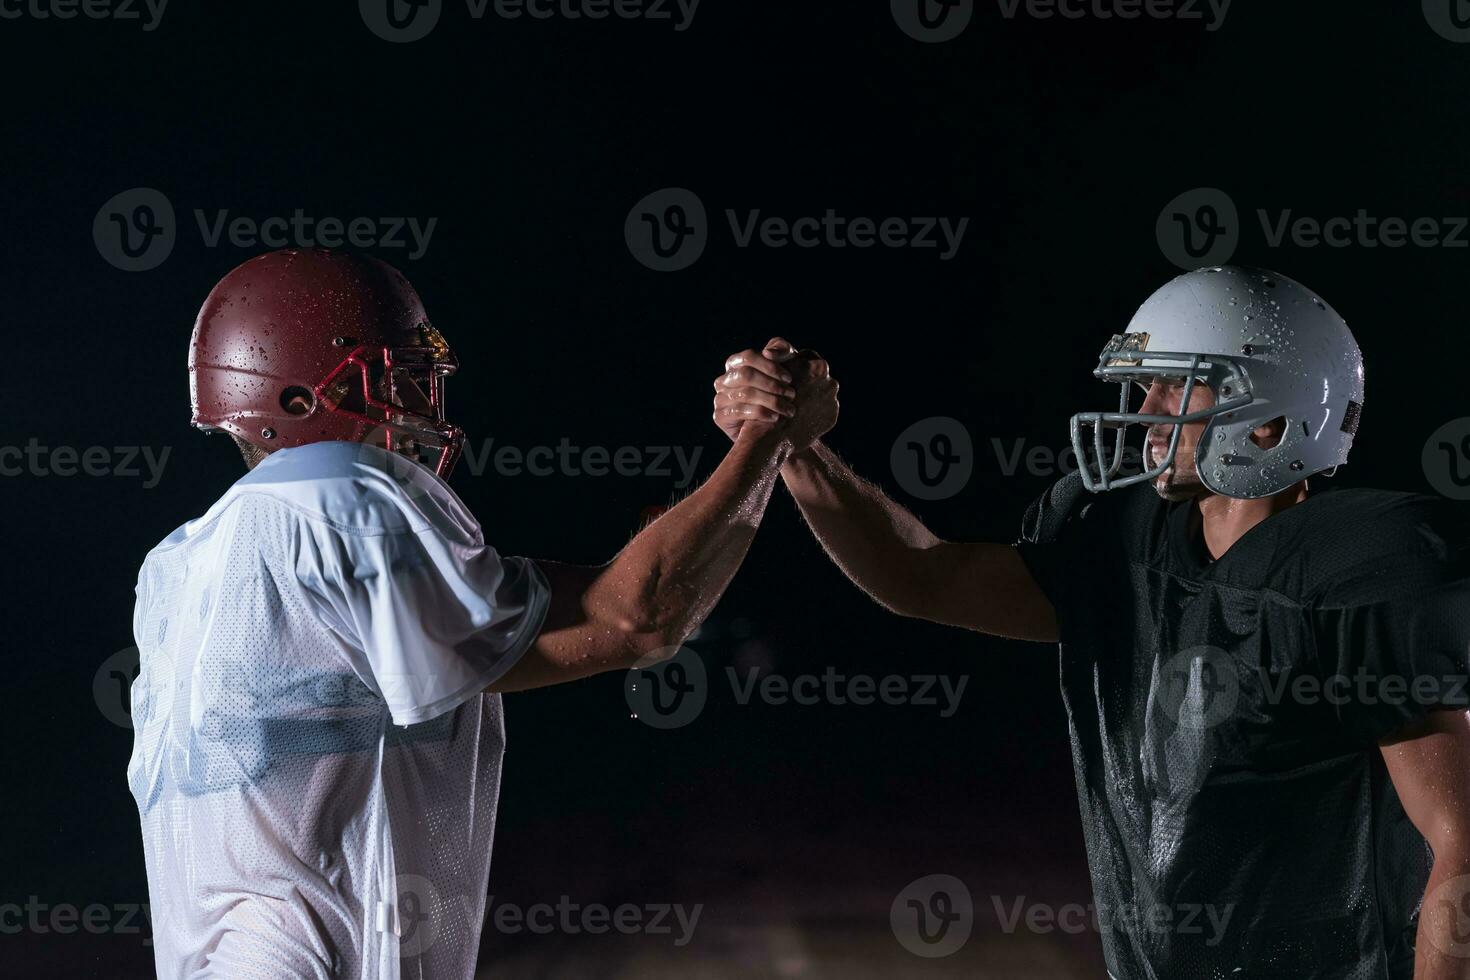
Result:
[{"x": 880, "y": 545}]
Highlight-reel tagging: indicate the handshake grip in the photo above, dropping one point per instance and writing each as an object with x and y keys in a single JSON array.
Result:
[{"x": 780, "y": 386}]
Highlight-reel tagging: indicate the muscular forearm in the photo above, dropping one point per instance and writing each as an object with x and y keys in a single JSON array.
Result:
[
  {"x": 877, "y": 543},
  {"x": 667, "y": 579},
  {"x": 1442, "y": 950},
  {"x": 678, "y": 567},
  {"x": 647, "y": 600}
]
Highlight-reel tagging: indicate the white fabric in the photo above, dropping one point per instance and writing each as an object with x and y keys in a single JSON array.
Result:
[{"x": 292, "y": 826}]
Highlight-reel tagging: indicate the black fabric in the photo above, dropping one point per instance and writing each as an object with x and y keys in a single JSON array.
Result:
[{"x": 1225, "y": 717}]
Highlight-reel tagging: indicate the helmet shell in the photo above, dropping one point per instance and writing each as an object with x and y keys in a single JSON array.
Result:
[
  {"x": 291, "y": 322},
  {"x": 1292, "y": 352}
]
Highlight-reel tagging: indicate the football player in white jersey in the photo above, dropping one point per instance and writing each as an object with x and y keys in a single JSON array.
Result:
[{"x": 318, "y": 728}]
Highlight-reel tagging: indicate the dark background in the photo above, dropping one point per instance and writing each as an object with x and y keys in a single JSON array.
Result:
[{"x": 1061, "y": 140}]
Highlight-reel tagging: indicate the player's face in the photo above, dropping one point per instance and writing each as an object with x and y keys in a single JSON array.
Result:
[
  {"x": 1166, "y": 397},
  {"x": 405, "y": 390}
]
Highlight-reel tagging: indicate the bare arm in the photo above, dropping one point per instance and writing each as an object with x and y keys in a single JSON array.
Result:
[
  {"x": 1430, "y": 768},
  {"x": 883, "y": 548},
  {"x": 652, "y": 595},
  {"x": 888, "y": 553}
]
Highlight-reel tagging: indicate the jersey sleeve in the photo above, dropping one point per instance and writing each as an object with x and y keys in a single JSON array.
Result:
[
  {"x": 430, "y": 621},
  {"x": 1392, "y": 661},
  {"x": 1054, "y": 537},
  {"x": 1389, "y": 662}
]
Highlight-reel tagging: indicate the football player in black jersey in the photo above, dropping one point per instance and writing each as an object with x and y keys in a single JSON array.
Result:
[{"x": 1264, "y": 682}]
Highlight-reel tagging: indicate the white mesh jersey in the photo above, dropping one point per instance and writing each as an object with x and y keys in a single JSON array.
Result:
[{"x": 315, "y": 763}]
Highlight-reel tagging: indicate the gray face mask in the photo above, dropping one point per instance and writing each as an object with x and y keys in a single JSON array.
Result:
[{"x": 1121, "y": 362}]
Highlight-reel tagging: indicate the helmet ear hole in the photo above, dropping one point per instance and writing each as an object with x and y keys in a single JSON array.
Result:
[
  {"x": 1268, "y": 434},
  {"x": 297, "y": 400}
]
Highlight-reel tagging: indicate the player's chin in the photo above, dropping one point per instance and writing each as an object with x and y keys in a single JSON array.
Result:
[{"x": 1174, "y": 485}]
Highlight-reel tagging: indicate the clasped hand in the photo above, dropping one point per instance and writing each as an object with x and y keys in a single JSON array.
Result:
[{"x": 789, "y": 390}]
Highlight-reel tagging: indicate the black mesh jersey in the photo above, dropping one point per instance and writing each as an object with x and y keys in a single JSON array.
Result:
[{"x": 1225, "y": 717}]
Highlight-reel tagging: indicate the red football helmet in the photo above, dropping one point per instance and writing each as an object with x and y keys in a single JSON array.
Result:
[{"x": 309, "y": 345}]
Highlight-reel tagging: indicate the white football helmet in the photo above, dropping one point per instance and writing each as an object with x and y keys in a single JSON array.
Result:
[{"x": 1268, "y": 347}]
